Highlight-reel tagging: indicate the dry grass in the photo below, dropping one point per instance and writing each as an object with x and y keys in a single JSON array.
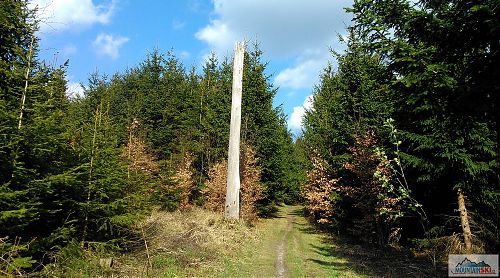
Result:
[
  {"x": 437, "y": 249},
  {"x": 190, "y": 243},
  {"x": 198, "y": 227},
  {"x": 185, "y": 243}
]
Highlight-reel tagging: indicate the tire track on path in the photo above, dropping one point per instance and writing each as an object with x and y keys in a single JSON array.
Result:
[{"x": 281, "y": 268}]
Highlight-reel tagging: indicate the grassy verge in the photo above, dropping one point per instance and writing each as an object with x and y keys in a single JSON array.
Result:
[
  {"x": 316, "y": 254},
  {"x": 196, "y": 243},
  {"x": 306, "y": 251},
  {"x": 303, "y": 253},
  {"x": 199, "y": 243},
  {"x": 258, "y": 258}
]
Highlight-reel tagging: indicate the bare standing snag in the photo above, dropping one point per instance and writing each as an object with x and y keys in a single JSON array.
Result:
[{"x": 232, "y": 208}]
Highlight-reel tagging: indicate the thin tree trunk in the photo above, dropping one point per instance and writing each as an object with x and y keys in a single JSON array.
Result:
[
  {"x": 232, "y": 208},
  {"x": 465, "y": 221},
  {"x": 130, "y": 163},
  {"x": 97, "y": 122},
  {"x": 23, "y": 101},
  {"x": 202, "y": 135},
  {"x": 149, "y": 264},
  {"x": 26, "y": 78}
]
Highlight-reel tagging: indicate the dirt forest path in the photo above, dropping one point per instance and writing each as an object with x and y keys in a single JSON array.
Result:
[
  {"x": 289, "y": 247},
  {"x": 281, "y": 269}
]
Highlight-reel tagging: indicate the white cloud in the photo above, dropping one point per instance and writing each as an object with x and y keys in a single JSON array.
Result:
[
  {"x": 60, "y": 15},
  {"x": 108, "y": 45},
  {"x": 299, "y": 29},
  {"x": 303, "y": 75},
  {"x": 217, "y": 35},
  {"x": 74, "y": 90},
  {"x": 295, "y": 121},
  {"x": 283, "y": 27}
]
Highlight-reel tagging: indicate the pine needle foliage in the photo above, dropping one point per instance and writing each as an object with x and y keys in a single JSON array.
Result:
[{"x": 430, "y": 66}]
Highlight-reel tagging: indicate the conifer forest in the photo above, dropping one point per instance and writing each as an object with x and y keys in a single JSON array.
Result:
[{"x": 398, "y": 154}]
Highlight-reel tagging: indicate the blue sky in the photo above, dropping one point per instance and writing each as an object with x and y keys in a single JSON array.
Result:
[{"x": 109, "y": 36}]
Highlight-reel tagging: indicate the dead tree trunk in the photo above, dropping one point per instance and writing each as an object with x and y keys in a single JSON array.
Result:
[
  {"x": 26, "y": 78},
  {"x": 232, "y": 208},
  {"x": 464, "y": 218}
]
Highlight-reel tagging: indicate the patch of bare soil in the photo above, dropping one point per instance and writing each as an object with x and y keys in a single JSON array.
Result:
[{"x": 281, "y": 269}]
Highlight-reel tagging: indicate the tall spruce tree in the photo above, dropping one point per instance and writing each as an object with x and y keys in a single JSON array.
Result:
[
  {"x": 17, "y": 31},
  {"x": 443, "y": 57},
  {"x": 36, "y": 190},
  {"x": 264, "y": 127},
  {"x": 342, "y": 129}
]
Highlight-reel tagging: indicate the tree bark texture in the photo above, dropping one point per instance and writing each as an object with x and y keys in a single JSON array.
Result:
[
  {"x": 464, "y": 218},
  {"x": 232, "y": 208}
]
